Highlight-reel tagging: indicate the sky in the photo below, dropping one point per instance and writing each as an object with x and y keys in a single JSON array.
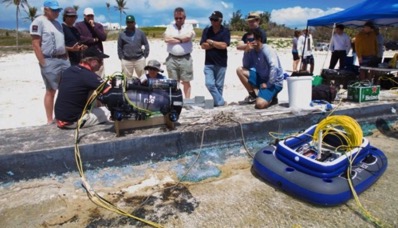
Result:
[{"x": 291, "y": 13}]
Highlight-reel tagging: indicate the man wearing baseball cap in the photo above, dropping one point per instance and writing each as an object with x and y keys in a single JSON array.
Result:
[
  {"x": 91, "y": 33},
  {"x": 132, "y": 49},
  {"x": 77, "y": 82},
  {"x": 72, "y": 36},
  {"x": 215, "y": 40},
  {"x": 49, "y": 47}
]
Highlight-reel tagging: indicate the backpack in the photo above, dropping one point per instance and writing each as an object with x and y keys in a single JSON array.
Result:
[{"x": 324, "y": 92}]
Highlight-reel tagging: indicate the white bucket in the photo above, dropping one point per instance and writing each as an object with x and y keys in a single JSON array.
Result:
[{"x": 300, "y": 91}]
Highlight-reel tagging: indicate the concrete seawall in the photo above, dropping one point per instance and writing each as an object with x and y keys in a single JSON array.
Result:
[{"x": 38, "y": 151}]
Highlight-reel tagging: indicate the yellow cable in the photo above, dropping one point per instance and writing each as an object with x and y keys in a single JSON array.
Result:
[{"x": 91, "y": 193}]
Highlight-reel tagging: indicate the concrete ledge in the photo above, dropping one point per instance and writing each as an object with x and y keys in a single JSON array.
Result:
[{"x": 38, "y": 151}]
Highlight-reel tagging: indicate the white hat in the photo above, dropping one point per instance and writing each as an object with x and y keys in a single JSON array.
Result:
[{"x": 88, "y": 11}]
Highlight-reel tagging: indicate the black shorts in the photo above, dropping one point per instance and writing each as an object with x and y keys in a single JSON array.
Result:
[
  {"x": 308, "y": 59},
  {"x": 295, "y": 56}
]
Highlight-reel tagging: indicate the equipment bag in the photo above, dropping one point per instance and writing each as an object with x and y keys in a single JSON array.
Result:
[{"x": 324, "y": 92}]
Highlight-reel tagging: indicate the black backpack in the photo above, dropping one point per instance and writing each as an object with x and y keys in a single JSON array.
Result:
[{"x": 324, "y": 92}]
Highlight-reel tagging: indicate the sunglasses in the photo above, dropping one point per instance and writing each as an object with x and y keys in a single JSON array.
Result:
[
  {"x": 71, "y": 16},
  {"x": 178, "y": 18},
  {"x": 212, "y": 19},
  {"x": 251, "y": 39}
]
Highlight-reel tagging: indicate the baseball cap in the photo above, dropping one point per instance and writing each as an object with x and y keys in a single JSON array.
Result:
[
  {"x": 153, "y": 64},
  {"x": 216, "y": 15},
  {"x": 253, "y": 16},
  {"x": 70, "y": 11},
  {"x": 130, "y": 18},
  {"x": 88, "y": 11},
  {"x": 94, "y": 52},
  {"x": 52, "y": 4}
]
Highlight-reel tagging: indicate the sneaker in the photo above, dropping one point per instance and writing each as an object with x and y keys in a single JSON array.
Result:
[
  {"x": 250, "y": 100},
  {"x": 274, "y": 101}
]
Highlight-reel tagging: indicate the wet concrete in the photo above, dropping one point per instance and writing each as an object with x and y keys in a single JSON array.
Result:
[{"x": 38, "y": 151}]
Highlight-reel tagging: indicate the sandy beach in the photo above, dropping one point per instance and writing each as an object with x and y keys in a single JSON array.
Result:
[{"x": 22, "y": 88}]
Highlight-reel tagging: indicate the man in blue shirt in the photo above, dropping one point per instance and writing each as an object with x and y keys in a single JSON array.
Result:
[
  {"x": 215, "y": 40},
  {"x": 261, "y": 70}
]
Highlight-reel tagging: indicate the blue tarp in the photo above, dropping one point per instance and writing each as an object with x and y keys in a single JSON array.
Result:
[{"x": 381, "y": 12}]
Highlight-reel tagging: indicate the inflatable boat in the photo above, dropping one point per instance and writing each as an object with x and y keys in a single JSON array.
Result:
[{"x": 296, "y": 166}]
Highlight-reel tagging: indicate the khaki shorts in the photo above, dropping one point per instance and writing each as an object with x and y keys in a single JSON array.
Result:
[
  {"x": 180, "y": 67},
  {"x": 96, "y": 116}
]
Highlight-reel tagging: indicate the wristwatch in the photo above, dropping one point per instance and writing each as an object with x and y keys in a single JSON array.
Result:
[{"x": 211, "y": 43}]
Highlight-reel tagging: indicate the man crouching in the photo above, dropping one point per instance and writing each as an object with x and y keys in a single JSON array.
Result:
[
  {"x": 76, "y": 84},
  {"x": 261, "y": 70}
]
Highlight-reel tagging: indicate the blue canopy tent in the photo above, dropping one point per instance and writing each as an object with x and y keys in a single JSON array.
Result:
[{"x": 380, "y": 12}]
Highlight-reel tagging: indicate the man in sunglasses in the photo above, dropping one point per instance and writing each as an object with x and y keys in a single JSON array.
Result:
[
  {"x": 178, "y": 37},
  {"x": 215, "y": 40},
  {"x": 261, "y": 70},
  {"x": 72, "y": 36},
  {"x": 253, "y": 21},
  {"x": 77, "y": 83},
  {"x": 49, "y": 47}
]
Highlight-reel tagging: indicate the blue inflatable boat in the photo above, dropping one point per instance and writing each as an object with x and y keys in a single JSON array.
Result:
[{"x": 295, "y": 166}]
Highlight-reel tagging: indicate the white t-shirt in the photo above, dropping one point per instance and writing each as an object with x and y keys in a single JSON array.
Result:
[
  {"x": 308, "y": 48},
  {"x": 52, "y": 35},
  {"x": 183, "y": 48}
]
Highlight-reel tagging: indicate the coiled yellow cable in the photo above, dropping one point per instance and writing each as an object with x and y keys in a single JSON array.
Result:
[{"x": 350, "y": 130}]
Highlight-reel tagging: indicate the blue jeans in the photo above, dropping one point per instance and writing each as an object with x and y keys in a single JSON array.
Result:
[{"x": 214, "y": 81}]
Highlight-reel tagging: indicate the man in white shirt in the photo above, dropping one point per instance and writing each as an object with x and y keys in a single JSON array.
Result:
[
  {"x": 339, "y": 46},
  {"x": 305, "y": 46},
  {"x": 178, "y": 37},
  {"x": 48, "y": 44}
]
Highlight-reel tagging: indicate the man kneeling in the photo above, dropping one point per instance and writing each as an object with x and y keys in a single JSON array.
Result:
[
  {"x": 77, "y": 83},
  {"x": 261, "y": 70}
]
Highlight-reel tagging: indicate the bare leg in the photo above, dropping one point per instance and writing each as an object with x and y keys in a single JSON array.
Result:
[
  {"x": 312, "y": 68},
  {"x": 243, "y": 75},
  {"x": 187, "y": 89},
  {"x": 49, "y": 104}
]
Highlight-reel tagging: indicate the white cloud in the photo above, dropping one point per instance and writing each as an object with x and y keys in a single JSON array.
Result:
[{"x": 297, "y": 16}]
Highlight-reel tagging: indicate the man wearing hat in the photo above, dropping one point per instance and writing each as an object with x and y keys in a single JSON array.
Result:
[
  {"x": 72, "y": 36},
  {"x": 49, "y": 47},
  {"x": 215, "y": 40},
  {"x": 366, "y": 47},
  {"x": 91, "y": 33},
  {"x": 253, "y": 21},
  {"x": 154, "y": 72},
  {"x": 77, "y": 82},
  {"x": 132, "y": 49}
]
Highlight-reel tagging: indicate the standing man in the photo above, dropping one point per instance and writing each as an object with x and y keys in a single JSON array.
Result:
[
  {"x": 261, "y": 70},
  {"x": 129, "y": 49},
  {"x": 253, "y": 21},
  {"x": 305, "y": 46},
  {"x": 72, "y": 36},
  {"x": 92, "y": 33},
  {"x": 178, "y": 37},
  {"x": 340, "y": 46},
  {"x": 49, "y": 47},
  {"x": 366, "y": 48},
  {"x": 215, "y": 40},
  {"x": 77, "y": 82}
]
